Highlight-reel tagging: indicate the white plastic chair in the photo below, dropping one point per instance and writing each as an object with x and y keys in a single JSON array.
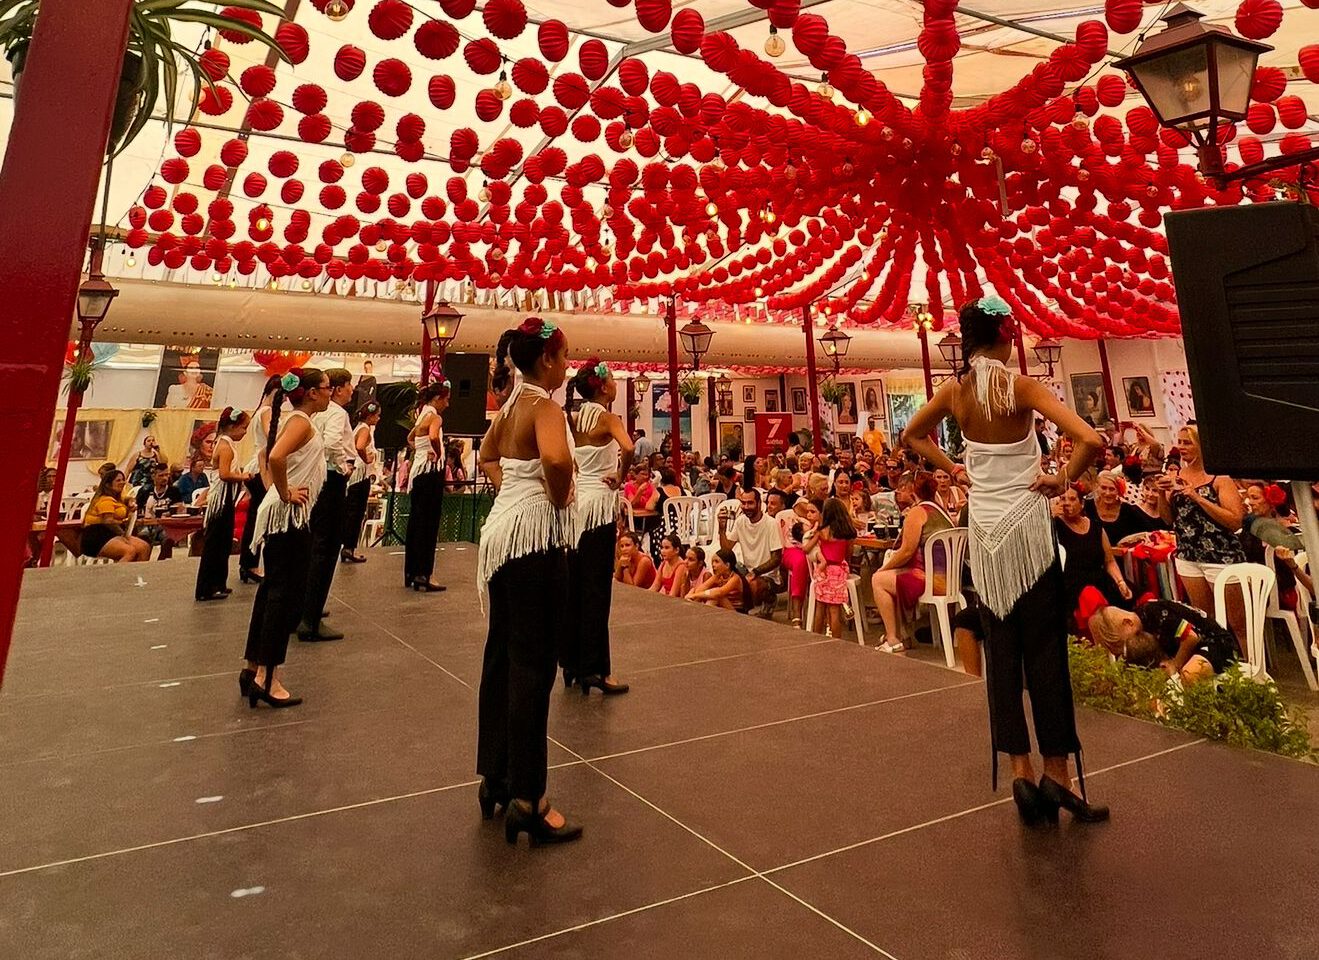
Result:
[
  {"x": 683, "y": 516},
  {"x": 853, "y": 597},
  {"x": 709, "y": 532},
  {"x": 1290, "y": 620},
  {"x": 74, "y": 508},
  {"x": 1257, "y": 582},
  {"x": 952, "y": 543},
  {"x": 729, "y": 509},
  {"x": 629, "y": 515},
  {"x": 371, "y": 532}
]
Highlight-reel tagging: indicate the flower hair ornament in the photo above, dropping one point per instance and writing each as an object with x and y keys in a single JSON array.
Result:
[
  {"x": 993, "y": 305},
  {"x": 1274, "y": 495},
  {"x": 538, "y": 327},
  {"x": 289, "y": 382}
]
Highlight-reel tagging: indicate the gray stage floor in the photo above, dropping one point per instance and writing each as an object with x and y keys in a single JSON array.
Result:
[{"x": 761, "y": 793}]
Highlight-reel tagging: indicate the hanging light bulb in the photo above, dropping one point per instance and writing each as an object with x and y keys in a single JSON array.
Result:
[
  {"x": 824, "y": 89},
  {"x": 774, "y": 45},
  {"x": 760, "y": 292},
  {"x": 306, "y": 284},
  {"x": 503, "y": 90},
  {"x": 347, "y": 160},
  {"x": 625, "y": 139},
  {"x": 262, "y": 225},
  {"x": 215, "y": 278},
  {"x": 131, "y": 261},
  {"x": 711, "y": 209},
  {"x": 606, "y": 250},
  {"x": 606, "y": 211},
  {"x": 484, "y": 193},
  {"x": 382, "y": 246},
  {"x": 274, "y": 284},
  {"x": 337, "y": 10},
  {"x": 863, "y": 116}
]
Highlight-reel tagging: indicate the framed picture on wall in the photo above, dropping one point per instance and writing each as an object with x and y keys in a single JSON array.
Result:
[
  {"x": 187, "y": 378},
  {"x": 873, "y": 401},
  {"x": 91, "y": 440},
  {"x": 1140, "y": 399},
  {"x": 749, "y": 394},
  {"x": 799, "y": 400},
  {"x": 749, "y": 415},
  {"x": 726, "y": 405},
  {"x": 731, "y": 440},
  {"x": 771, "y": 401},
  {"x": 847, "y": 405},
  {"x": 1089, "y": 400}
]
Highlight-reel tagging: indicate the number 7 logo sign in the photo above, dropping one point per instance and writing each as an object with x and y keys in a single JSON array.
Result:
[{"x": 772, "y": 431}]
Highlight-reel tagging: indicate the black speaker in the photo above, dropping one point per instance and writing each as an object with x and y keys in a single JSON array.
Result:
[
  {"x": 1247, "y": 282},
  {"x": 469, "y": 379}
]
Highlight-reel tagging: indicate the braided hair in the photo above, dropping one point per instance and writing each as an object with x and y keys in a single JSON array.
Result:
[
  {"x": 501, "y": 379},
  {"x": 293, "y": 386},
  {"x": 982, "y": 329}
]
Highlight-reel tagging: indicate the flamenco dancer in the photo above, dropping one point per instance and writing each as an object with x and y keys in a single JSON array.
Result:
[
  {"x": 218, "y": 538},
  {"x": 1014, "y": 556},
  {"x": 256, "y": 484},
  {"x": 523, "y": 565},
  {"x": 427, "y": 488},
  {"x": 295, "y": 458},
  {"x": 599, "y": 437}
]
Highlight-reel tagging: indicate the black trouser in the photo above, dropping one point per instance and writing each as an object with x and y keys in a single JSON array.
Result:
[
  {"x": 423, "y": 526},
  {"x": 521, "y": 656},
  {"x": 585, "y": 648},
  {"x": 355, "y": 513},
  {"x": 280, "y": 597},
  {"x": 256, "y": 491},
  {"x": 326, "y": 532},
  {"x": 1031, "y": 642},
  {"x": 217, "y": 545}
]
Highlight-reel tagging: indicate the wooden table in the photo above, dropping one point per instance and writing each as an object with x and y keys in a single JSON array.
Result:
[{"x": 177, "y": 528}]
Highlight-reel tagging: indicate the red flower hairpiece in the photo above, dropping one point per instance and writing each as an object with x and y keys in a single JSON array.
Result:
[{"x": 1275, "y": 495}]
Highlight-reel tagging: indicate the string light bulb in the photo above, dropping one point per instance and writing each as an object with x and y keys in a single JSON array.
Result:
[
  {"x": 347, "y": 160},
  {"x": 262, "y": 225},
  {"x": 824, "y": 89},
  {"x": 503, "y": 90},
  {"x": 774, "y": 45},
  {"x": 306, "y": 284},
  {"x": 484, "y": 193},
  {"x": 625, "y": 139},
  {"x": 337, "y": 10},
  {"x": 711, "y": 209},
  {"x": 863, "y": 116},
  {"x": 131, "y": 261}
]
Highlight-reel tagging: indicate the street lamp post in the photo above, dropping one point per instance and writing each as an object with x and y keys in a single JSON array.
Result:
[
  {"x": 835, "y": 344},
  {"x": 813, "y": 388},
  {"x": 950, "y": 348},
  {"x": 1196, "y": 77},
  {"x": 95, "y": 295},
  {"x": 1048, "y": 352},
  {"x": 439, "y": 326}
]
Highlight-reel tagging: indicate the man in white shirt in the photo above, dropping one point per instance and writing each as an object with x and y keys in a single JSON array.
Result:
[
  {"x": 642, "y": 448},
  {"x": 760, "y": 540},
  {"x": 327, "y": 517}
]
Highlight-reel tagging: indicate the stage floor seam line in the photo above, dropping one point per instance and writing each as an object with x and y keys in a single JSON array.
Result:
[
  {"x": 397, "y": 639},
  {"x": 731, "y": 656},
  {"x": 29, "y": 697},
  {"x": 970, "y": 810},
  {"x": 718, "y": 849}
]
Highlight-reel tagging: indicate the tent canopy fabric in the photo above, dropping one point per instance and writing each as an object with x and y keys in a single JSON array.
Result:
[{"x": 895, "y": 153}]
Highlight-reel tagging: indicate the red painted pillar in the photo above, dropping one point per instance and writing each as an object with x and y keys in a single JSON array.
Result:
[
  {"x": 925, "y": 359},
  {"x": 1021, "y": 351},
  {"x": 47, "y": 195},
  {"x": 62, "y": 462},
  {"x": 675, "y": 435},
  {"x": 1109, "y": 394},
  {"x": 817, "y": 442},
  {"x": 712, "y": 401},
  {"x": 425, "y": 337}
]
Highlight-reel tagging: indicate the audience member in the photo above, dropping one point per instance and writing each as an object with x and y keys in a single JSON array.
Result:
[
  {"x": 105, "y": 524},
  {"x": 1090, "y": 561},
  {"x": 1118, "y": 518},
  {"x": 901, "y": 580},
  {"x": 762, "y": 550},
  {"x": 724, "y": 587},
  {"x": 834, "y": 544},
  {"x": 696, "y": 569},
  {"x": 948, "y": 495},
  {"x": 1183, "y": 640},
  {"x": 798, "y": 526},
  {"x": 192, "y": 481},
  {"x": 156, "y": 499},
  {"x": 144, "y": 466},
  {"x": 671, "y": 574},
  {"x": 634, "y": 566}
]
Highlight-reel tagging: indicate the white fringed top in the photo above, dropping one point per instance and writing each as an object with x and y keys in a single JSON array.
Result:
[
  {"x": 222, "y": 493},
  {"x": 422, "y": 446},
  {"x": 1011, "y": 530},
  {"x": 523, "y": 520},
  {"x": 306, "y": 468},
  {"x": 260, "y": 423},
  {"x": 361, "y": 469},
  {"x": 597, "y": 502}
]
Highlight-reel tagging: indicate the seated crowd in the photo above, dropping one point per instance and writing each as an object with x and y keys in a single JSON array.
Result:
[{"x": 798, "y": 513}]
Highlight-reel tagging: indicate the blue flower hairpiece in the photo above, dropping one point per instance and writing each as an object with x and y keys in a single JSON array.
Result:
[
  {"x": 289, "y": 382},
  {"x": 601, "y": 370},
  {"x": 993, "y": 305}
]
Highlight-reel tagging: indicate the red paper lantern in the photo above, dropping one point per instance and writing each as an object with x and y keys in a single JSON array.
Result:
[
  {"x": 283, "y": 163},
  {"x": 457, "y": 9},
  {"x": 1111, "y": 90},
  {"x": 687, "y": 31},
  {"x": 1258, "y": 19},
  {"x": 441, "y": 91},
  {"x": 552, "y": 36},
  {"x": 416, "y": 185},
  {"x": 482, "y": 55},
  {"x": 233, "y": 152},
  {"x": 214, "y": 177},
  {"x": 1261, "y": 118},
  {"x": 524, "y": 113},
  {"x": 315, "y": 128},
  {"x": 410, "y": 127},
  {"x": 375, "y": 180},
  {"x": 390, "y": 19},
  {"x": 257, "y": 80},
  {"x": 310, "y": 98},
  {"x": 292, "y": 39},
  {"x": 488, "y": 105},
  {"x": 368, "y": 116},
  {"x": 436, "y": 39},
  {"x": 1308, "y": 58},
  {"x": 654, "y": 15},
  {"x": 174, "y": 170},
  {"x": 359, "y": 141},
  {"x": 188, "y": 142},
  {"x": 292, "y": 191},
  {"x": 333, "y": 197},
  {"x": 505, "y": 19},
  {"x": 254, "y": 184},
  {"x": 250, "y": 17},
  {"x": 216, "y": 101},
  {"x": 392, "y": 77},
  {"x": 594, "y": 59},
  {"x": 1291, "y": 111},
  {"x": 349, "y": 62},
  {"x": 214, "y": 63},
  {"x": 264, "y": 114},
  {"x": 331, "y": 171},
  {"x": 571, "y": 90},
  {"x": 1123, "y": 16}
]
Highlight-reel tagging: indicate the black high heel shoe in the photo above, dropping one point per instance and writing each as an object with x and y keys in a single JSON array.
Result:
[
  {"x": 1055, "y": 795},
  {"x": 250, "y": 576},
  {"x": 608, "y": 687},
  {"x": 213, "y": 595},
  {"x": 1031, "y": 806},
  {"x": 490, "y": 799},
  {"x": 347, "y": 556},
  {"x": 246, "y": 678},
  {"x": 427, "y": 586},
  {"x": 518, "y": 818},
  {"x": 256, "y": 692}
]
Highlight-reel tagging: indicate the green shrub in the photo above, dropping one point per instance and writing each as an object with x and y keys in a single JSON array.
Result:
[{"x": 1234, "y": 709}]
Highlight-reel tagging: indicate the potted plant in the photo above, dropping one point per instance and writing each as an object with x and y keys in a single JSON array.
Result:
[
  {"x": 831, "y": 391},
  {"x": 152, "y": 59},
  {"x": 689, "y": 388},
  {"x": 148, "y": 418}
]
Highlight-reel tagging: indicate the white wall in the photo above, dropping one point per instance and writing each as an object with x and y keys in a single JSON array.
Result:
[{"x": 1127, "y": 358}]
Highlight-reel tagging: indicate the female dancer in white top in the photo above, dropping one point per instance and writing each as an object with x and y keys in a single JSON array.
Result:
[
  {"x": 295, "y": 458},
  {"x": 1014, "y": 556},
  {"x": 218, "y": 526},
  {"x": 426, "y": 477},
  {"x": 257, "y": 482},
  {"x": 599, "y": 437},
  {"x": 359, "y": 481},
  {"x": 522, "y": 562}
]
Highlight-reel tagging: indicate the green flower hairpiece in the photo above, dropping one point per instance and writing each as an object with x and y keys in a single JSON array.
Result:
[
  {"x": 601, "y": 370},
  {"x": 546, "y": 329},
  {"x": 994, "y": 306},
  {"x": 289, "y": 382}
]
